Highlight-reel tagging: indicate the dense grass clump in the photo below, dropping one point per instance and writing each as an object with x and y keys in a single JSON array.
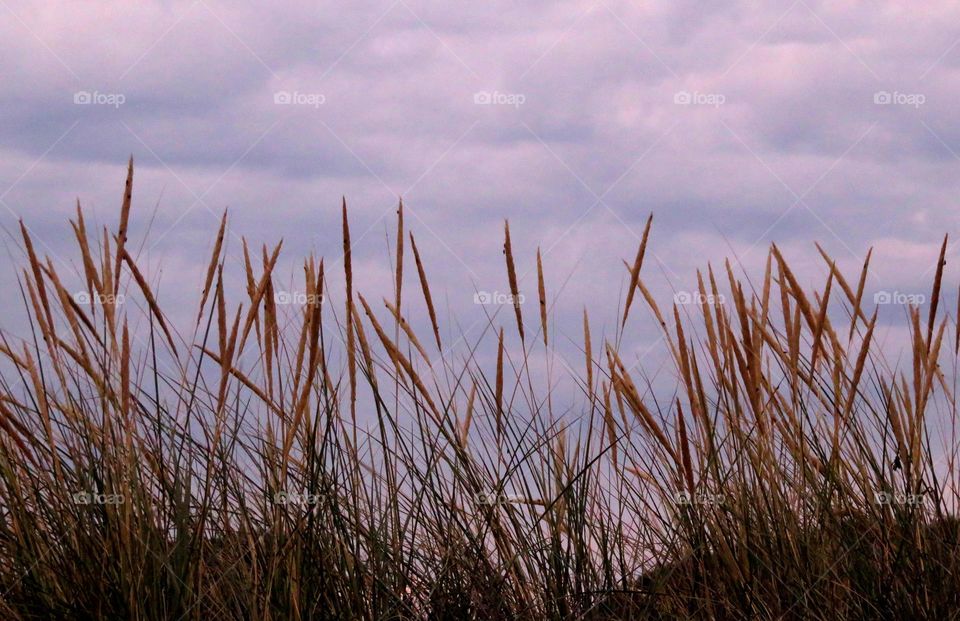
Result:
[{"x": 329, "y": 462}]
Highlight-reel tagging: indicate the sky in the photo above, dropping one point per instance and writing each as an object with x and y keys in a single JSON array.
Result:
[{"x": 737, "y": 124}]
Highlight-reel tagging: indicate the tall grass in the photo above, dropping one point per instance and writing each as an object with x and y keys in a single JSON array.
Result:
[{"x": 335, "y": 464}]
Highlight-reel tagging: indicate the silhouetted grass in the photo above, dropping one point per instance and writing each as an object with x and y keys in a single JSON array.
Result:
[{"x": 338, "y": 466}]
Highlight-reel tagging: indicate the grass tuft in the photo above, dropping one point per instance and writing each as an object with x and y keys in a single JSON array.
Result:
[{"x": 147, "y": 474}]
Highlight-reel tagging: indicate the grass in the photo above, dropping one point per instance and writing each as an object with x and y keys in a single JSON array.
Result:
[{"x": 332, "y": 464}]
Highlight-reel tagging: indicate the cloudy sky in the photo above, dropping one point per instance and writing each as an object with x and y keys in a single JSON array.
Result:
[{"x": 736, "y": 124}]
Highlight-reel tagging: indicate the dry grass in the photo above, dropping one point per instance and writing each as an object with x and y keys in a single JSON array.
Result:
[{"x": 243, "y": 472}]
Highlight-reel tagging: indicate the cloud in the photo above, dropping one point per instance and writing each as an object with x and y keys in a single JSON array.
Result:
[{"x": 736, "y": 125}]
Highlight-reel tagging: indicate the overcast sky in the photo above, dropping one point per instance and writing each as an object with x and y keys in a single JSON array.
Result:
[{"x": 736, "y": 123}]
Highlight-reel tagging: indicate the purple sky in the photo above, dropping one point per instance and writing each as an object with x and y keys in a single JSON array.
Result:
[{"x": 736, "y": 124}]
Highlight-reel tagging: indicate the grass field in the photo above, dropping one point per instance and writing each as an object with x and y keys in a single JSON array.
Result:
[{"x": 337, "y": 466}]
